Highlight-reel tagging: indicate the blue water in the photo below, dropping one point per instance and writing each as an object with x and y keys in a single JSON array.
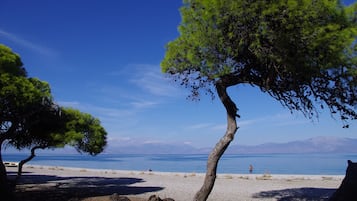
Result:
[{"x": 319, "y": 164}]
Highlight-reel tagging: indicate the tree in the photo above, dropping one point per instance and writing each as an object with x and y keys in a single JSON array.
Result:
[
  {"x": 58, "y": 127},
  {"x": 301, "y": 53},
  {"x": 29, "y": 118}
]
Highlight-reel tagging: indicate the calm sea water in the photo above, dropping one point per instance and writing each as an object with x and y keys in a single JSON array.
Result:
[{"x": 319, "y": 164}]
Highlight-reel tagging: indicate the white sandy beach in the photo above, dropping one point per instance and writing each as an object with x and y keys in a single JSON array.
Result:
[{"x": 179, "y": 186}]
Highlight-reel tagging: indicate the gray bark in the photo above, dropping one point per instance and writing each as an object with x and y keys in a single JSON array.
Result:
[{"x": 221, "y": 146}]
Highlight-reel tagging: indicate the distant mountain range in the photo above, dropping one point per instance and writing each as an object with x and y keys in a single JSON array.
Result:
[{"x": 312, "y": 145}]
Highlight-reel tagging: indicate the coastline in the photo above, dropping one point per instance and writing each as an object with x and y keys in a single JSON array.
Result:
[
  {"x": 177, "y": 185},
  {"x": 314, "y": 164}
]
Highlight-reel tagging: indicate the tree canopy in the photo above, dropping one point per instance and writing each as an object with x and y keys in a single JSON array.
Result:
[
  {"x": 302, "y": 53},
  {"x": 57, "y": 127}
]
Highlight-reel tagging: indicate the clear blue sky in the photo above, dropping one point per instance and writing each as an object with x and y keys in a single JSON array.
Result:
[{"x": 103, "y": 57}]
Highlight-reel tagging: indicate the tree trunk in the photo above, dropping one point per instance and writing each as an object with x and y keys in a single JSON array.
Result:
[
  {"x": 22, "y": 163},
  {"x": 5, "y": 189},
  {"x": 347, "y": 190},
  {"x": 221, "y": 146}
]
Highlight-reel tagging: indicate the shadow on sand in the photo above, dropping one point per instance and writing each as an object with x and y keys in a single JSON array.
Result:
[
  {"x": 49, "y": 188},
  {"x": 295, "y": 194}
]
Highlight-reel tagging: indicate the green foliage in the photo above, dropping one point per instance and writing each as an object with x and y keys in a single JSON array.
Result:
[
  {"x": 83, "y": 131},
  {"x": 302, "y": 53},
  {"x": 10, "y": 62},
  {"x": 26, "y": 108},
  {"x": 55, "y": 127},
  {"x": 19, "y": 99}
]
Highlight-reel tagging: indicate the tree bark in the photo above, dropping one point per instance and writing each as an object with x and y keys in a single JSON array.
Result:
[
  {"x": 347, "y": 190},
  {"x": 5, "y": 189},
  {"x": 22, "y": 162},
  {"x": 221, "y": 146}
]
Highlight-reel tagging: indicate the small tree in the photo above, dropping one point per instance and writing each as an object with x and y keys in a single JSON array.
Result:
[
  {"x": 30, "y": 119},
  {"x": 302, "y": 53},
  {"x": 58, "y": 127}
]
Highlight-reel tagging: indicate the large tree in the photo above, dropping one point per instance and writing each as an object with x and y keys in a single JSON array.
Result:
[{"x": 302, "y": 53}]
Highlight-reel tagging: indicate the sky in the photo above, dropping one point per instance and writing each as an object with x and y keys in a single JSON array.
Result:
[{"x": 103, "y": 58}]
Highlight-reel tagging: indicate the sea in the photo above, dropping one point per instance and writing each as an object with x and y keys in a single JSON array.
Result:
[{"x": 300, "y": 164}]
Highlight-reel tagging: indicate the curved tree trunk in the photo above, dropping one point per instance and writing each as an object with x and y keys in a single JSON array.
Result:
[
  {"x": 221, "y": 146},
  {"x": 22, "y": 163}
]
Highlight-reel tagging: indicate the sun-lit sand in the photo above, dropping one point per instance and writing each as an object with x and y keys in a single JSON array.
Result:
[{"x": 84, "y": 183}]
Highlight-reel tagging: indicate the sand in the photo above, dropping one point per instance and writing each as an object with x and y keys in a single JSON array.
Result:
[{"x": 62, "y": 183}]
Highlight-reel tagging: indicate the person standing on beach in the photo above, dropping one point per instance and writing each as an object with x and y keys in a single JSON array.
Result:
[{"x": 250, "y": 168}]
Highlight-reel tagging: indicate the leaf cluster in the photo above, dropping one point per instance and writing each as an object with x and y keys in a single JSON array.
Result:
[
  {"x": 83, "y": 131},
  {"x": 10, "y": 62}
]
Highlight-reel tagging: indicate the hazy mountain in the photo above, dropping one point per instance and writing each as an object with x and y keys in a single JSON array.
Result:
[
  {"x": 312, "y": 145},
  {"x": 152, "y": 148}
]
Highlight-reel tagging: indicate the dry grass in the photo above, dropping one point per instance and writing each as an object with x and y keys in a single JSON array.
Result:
[
  {"x": 265, "y": 176},
  {"x": 244, "y": 177},
  {"x": 327, "y": 178},
  {"x": 228, "y": 177}
]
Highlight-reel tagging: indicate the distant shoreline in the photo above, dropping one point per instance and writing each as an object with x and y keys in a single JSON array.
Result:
[
  {"x": 316, "y": 164},
  {"x": 247, "y": 175}
]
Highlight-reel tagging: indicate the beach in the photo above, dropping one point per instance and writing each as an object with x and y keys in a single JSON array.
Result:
[{"x": 63, "y": 183}]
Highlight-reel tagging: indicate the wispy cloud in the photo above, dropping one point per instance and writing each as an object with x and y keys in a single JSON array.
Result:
[
  {"x": 153, "y": 142},
  {"x": 219, "y": 127},
  {"x": 274, "y": 120},
  {"x": 200, "y": 126},
  {"x": 277, "y": 119},
  {"x": 71, "y": 104},
  {"x": 144, "y": 104},
  {"x": 208, "y": 126},
  {"x": 151, "y": 80},
  {"x": 45, "y": 51},
  {"x": 104, "y": 112},
  {"x": 141, "y": 86}
]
